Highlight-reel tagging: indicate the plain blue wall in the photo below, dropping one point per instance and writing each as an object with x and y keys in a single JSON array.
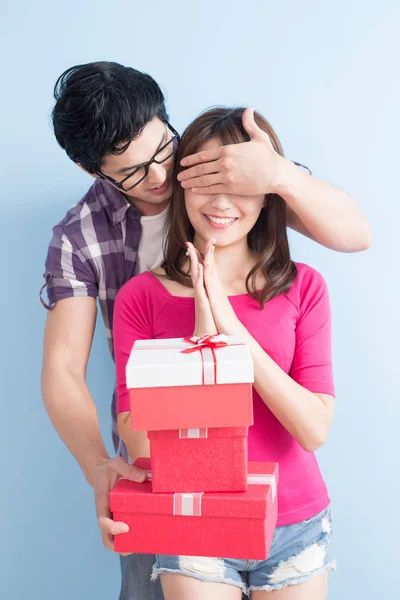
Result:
[{"x": 327, "y": 77}]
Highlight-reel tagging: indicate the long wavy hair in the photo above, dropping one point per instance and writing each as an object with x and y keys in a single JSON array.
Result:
[{"x": 267, "y": 238}]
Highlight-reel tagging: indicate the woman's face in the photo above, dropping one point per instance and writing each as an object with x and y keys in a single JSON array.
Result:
[{"x": 226, "y": 217}]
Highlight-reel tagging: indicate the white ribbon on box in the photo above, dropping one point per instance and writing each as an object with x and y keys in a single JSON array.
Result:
[
  {"x": 189, "y": 504},
  {"x": 262, "y": 479},
  {"x": 186, "y": 434}
]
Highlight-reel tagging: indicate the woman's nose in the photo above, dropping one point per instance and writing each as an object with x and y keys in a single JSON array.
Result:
[{"x": 222, "y": 201}]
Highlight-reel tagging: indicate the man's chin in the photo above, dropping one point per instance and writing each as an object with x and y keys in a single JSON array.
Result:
[
  {"x": 150, "y": 198},
  {"x": 157, "y": 198}
]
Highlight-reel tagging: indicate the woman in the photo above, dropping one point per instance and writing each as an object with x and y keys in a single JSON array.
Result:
[{"x": 227, "y": 269}]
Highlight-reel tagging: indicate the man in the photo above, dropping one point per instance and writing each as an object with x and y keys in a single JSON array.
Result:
[{"x": 112, "y": 122}]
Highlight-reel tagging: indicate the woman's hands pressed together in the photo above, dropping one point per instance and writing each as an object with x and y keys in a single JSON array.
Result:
[
  {"x": 204, "y": 319},
  {"x": 213, "y": 311}
]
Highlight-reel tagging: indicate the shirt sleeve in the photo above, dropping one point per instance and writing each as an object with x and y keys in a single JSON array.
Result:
[
  {"x": 312, "y": 362},
  {"x": 66, "y": 274},
  {"x": 132, "y": 321}
]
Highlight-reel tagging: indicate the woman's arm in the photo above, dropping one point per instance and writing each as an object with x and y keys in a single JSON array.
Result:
[
  {"x": 306, "y": 415},
  {"x": 131, "y": 323},
  {"x": 136, "y": 442},
  {"x": 299, "y": 399}
]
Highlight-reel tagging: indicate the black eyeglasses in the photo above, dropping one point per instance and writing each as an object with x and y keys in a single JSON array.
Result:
[{"x": 140, "y": 173}]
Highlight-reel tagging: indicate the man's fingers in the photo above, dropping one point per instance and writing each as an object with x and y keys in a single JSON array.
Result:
[
  {"x": 102, "y": 501},
  {"x": 254, "y": 131},
  {"x": 126, "y": 470},
  {"x": 219, "y": 188},
  {"x": 108, "y": 542},
  {"x": 111, "y": 527},
  {"x": 202, "y": 181},
  {"x": 200, "y": 169},
  {"x": 201, "y": 157},
  {"x": 251, "y": 126}
]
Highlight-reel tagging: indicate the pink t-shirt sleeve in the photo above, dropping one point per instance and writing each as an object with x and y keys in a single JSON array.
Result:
[
  {"x": 132, "y": 321},
  {"x": 312, "y": 361}
]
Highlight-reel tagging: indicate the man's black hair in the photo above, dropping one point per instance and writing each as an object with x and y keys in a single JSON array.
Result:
[{"x": 100, "y": 108}]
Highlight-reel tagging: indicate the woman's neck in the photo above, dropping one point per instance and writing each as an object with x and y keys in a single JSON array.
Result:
[{"x": 232, "y": 263}]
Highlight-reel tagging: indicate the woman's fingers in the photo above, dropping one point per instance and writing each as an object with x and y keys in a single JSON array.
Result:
[
  {"x": 209, "y": 264},
  {"x": 209, "y": 252},
  {"x": 192, "y": 253},
  {"x": 199, "y": 257},
  {"x": 197, "y": 274},
  {"x": 199, "y": 289}
]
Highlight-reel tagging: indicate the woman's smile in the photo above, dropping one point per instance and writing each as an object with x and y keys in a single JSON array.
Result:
[{"x": 220, "y": 222}]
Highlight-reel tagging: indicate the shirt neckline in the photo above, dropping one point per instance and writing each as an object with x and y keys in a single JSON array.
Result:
[
  {"x": 160, "y": 215},
  {"x": 236, "y": 298}
]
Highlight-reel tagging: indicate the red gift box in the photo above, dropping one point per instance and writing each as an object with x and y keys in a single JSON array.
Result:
[
  {"x": 182, "y": 384},
  {"x": 207, "y": 460},
  {"x": 228, "y": 525}
]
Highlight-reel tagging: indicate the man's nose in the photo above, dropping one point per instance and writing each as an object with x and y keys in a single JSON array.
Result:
[{"x": 157, "y": 174}]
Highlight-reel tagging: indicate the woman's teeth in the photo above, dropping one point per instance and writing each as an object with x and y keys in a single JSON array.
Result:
[{"x": 221, "y": 220}]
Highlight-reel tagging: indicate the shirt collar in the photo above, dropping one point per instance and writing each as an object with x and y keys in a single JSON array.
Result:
[{"x": 115, "y": 201}]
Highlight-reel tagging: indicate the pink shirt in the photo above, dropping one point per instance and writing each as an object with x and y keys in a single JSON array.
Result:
[{"x": 294, "y": 329}]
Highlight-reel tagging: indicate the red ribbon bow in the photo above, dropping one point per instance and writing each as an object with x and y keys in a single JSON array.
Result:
[
  {"x": 204, "y": 343},
  {"x": 207, "y": 341}
]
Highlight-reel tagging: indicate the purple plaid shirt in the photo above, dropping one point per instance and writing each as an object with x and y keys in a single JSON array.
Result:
[{"x": 93, "y": 252}]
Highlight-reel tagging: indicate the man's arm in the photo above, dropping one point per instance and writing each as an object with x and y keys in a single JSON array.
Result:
[
  {"x": 323, "y": 212},
  {"x": 67, "y": 343},
  {"x": 317, "y": 209}
]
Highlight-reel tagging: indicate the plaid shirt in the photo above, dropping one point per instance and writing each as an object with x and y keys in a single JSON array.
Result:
[{"x": 93, "y": 252}]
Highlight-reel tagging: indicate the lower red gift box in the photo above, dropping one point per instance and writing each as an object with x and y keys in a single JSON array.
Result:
[
  {"x": 210, "y": 460},
  {"x": 228, "y": 525}
]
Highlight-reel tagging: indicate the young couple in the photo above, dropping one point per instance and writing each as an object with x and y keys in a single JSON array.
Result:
[{"x": 226, "y": 269}]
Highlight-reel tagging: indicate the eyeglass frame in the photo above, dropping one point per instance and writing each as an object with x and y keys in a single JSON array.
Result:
[{"x": 146, "y": 165}]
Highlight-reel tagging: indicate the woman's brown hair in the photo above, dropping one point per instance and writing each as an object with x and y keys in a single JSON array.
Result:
[{"x": 268, "y": 237}]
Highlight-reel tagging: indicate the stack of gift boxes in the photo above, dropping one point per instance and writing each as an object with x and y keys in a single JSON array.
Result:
[{"x": 202, "y": 497}]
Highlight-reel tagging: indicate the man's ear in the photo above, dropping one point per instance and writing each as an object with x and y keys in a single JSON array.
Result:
[{"x": 87, "y": 172}]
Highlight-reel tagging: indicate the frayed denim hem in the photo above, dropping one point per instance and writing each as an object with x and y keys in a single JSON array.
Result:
[
  {"x": 331, "y": 566},
  {"x": 160, "y": 570}
]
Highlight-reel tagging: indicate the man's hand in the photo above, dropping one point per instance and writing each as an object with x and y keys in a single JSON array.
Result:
[
  {"x": 105, "y": 476},
  {"x": 204, "y": 321},
  {"x": 246, "y": 169}
]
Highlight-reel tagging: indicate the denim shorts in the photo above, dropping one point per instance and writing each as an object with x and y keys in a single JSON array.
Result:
[{"x": 298, "y": 552}]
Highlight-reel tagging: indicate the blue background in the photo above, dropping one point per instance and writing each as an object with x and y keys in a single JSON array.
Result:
[{"x": 327, "y": 78}]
